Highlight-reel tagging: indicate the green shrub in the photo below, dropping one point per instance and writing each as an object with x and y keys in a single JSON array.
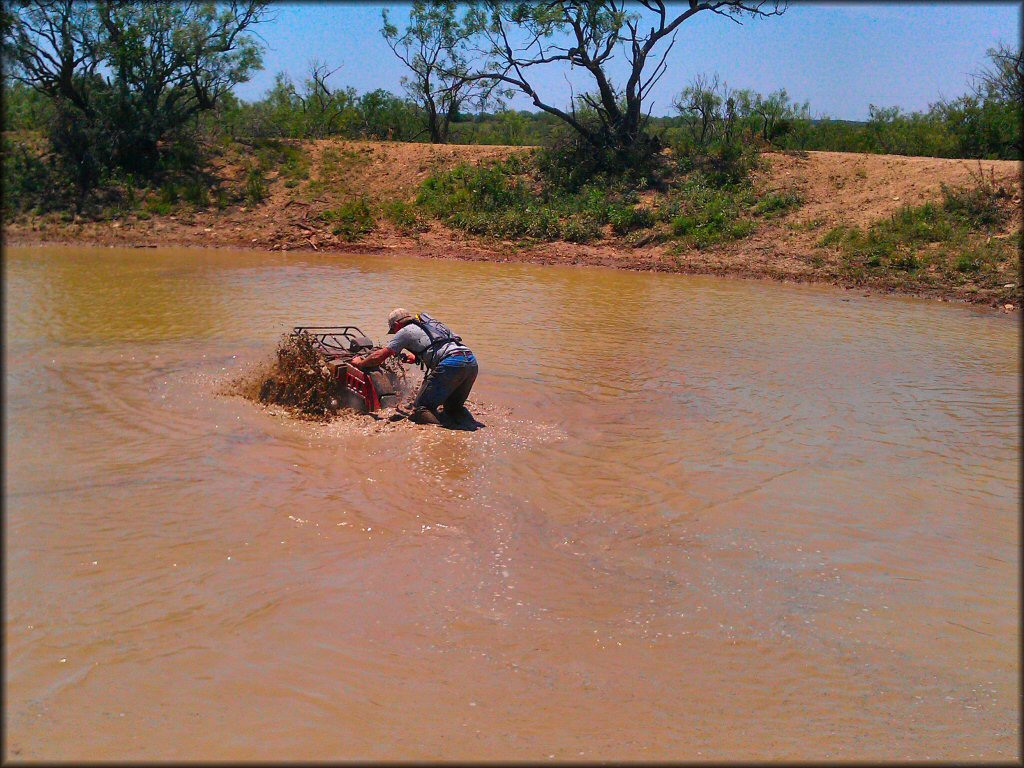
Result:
[
  {"x": 511, "y": 199},
  {"x": 724, "y": 165},
  {"x": 539, "y": 224},
  {"x": 159, "y": 205},
  {"x": 255, "y": 190},
  {"x": 626, "y": 218},
  {"x": 168, "y": 193},
  {"x": 129, "y": 195},
  {"x": 403, "y": 216},
  {"x": 27, "y": 181},
  {"x": 709, "y": 214},
  {"x": 501, "y": 200},
  {"x": 835, "y": 237},
  {"x": 483, "y": 188},
  {"x": 580, "y": 228},
  {"x": 289, "y": 159},
  {"x": 978, "y": 205},
  {"x": 908, "y": 262},
  {"x": 568, "y": 163},
  {"x": 295, "y": 166},
  {"x": 965, "y": 262},
  {"x": 351, "y": 219},
  {"x": 925, "y": 223},
  {"x": 221, "y": 199},
  {"x": 196, "y": 192},
  {"x": 704, "y": 228}
]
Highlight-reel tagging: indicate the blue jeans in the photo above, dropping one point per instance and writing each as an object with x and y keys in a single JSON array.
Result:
[{"x": 449, "y": 385}]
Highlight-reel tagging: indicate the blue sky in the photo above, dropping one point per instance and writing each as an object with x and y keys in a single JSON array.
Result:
[{"x": 840, "y": 57}]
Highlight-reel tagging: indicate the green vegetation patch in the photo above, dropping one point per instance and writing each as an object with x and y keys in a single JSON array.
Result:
[
  {"x": 351, "y": 219},
  {"x": 777, "y": 203},
  {"x": 505, "y": 200},
  {"x": 511, "y": 200},
  {"x": 255, "y": 189},
  {"x": 703, "y": 214},
  {"x": 27, "y": 179},
  {"x": 263, "y": 161},
  {"x": 404, "y": 217},
  {"x": 288, "y": 159},
  {"x": 956, "y": 240},
  {"x": 515, "y": 199},
  {"x": 629, "y": 218}
]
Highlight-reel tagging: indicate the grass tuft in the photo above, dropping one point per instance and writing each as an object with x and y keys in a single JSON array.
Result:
[
  {"x": 351, "y": 219},
  {"x": 403, "y": 217}
]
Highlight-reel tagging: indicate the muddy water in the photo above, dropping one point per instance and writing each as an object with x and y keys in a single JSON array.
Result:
[{"x": 705, "y": 520}]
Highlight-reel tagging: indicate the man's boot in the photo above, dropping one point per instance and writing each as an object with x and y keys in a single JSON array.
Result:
[
  {"x": 459, "y": 414},
  {"x": 421, "y": 415}
]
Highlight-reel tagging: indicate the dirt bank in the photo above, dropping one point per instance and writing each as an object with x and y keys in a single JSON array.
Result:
[{"x": 836, "y": 188}]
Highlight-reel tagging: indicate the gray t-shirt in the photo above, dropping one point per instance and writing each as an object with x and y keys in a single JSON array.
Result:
[{"x": 414, "y": 339}]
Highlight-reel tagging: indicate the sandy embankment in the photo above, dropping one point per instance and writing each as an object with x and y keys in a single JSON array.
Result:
[{"x": 837, "y": 188}]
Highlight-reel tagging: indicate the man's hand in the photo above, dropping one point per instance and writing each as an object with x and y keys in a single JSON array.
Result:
[
  {"x": 357, "y": 361},
  {"x": 408, "y": 356}
]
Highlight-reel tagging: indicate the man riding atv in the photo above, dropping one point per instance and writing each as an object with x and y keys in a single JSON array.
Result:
[{"x": 450, "y": 366}]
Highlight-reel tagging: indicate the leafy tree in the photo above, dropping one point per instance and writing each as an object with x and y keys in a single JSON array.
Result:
[
  {"x": 55, "y": 47},
  {"x": 383, "y": 116},
  {"x": 125, "y": 76},
  {"x": 522, "y": 37},
  {"x": 511, "y": 127},
  {"x": 315, "y": 111},
  {"x": 25, "y": 108},
  {"x": 999, "y": 87},
  {"x": 701, "y": 104},
  {"x": 777, "y": 113},
  {"x": 326, "y": 110},
  {"x": 434, "y": 48}
]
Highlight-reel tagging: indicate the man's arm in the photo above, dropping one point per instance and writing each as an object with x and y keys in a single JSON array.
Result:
[
  {"x": 373, "y": 359},
  {"x": 378, "y": 356}
]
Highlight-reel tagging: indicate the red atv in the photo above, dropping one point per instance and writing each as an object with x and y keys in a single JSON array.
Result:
[{"x": 362, "y": 391}]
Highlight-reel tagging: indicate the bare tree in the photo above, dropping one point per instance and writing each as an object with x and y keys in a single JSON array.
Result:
[
  {"x": 522, "y": 37},
  {"x": 323, "y": 106},
  {"x": 1003, "y": 78},
  {"x": 433, "y": 47},
  {"x": 53, "y": 46}
]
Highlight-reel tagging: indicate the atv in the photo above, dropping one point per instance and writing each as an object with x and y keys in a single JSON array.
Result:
[{"x": 363, "y": 391}]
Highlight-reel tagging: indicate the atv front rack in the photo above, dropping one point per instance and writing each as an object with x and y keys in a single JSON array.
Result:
[{"x": 336, "y": 340}]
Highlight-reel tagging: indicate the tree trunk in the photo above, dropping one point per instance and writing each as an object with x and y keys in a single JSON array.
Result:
[{"x": 435, "y": 129}]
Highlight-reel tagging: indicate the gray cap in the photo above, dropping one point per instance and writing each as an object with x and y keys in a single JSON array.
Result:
[{"x": 395, "y": 316}]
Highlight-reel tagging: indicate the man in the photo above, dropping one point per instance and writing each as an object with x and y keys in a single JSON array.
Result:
[{"x": 450, "y": 366}]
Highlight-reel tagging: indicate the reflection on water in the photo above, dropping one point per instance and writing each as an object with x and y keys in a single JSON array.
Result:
[{"x": 707, "y": 519}]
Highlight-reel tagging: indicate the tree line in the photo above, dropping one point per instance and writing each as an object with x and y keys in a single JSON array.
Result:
[{"x": 129, "y": 87}]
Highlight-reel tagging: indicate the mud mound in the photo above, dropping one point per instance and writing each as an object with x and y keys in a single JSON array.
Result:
[{"x": 297, "y": 379}]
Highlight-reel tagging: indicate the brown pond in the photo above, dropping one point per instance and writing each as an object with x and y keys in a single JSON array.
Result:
[{"x": 706, "y": 519}]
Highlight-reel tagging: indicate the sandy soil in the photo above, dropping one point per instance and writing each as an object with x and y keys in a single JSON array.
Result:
[{"x": 837, "y": 188}]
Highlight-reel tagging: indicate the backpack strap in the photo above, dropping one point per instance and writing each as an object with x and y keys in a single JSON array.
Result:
[{"x": 424, "y": 322}]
